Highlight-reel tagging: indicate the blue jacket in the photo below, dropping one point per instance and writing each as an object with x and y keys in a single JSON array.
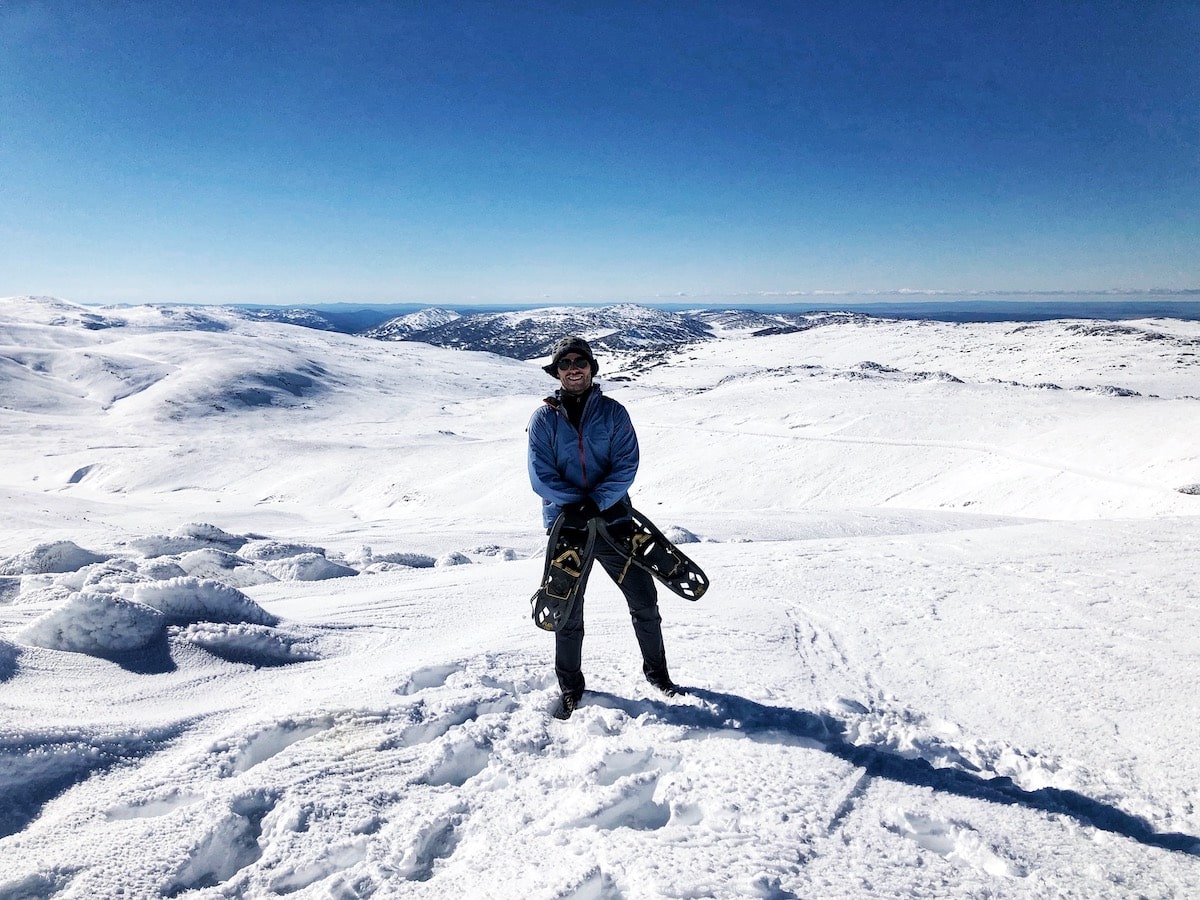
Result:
[{"x": 599, "y": 461}]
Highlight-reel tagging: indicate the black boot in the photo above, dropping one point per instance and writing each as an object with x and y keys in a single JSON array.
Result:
[
  {"x": 666, "y": 685},
  {"x": 567, "y": 704}
]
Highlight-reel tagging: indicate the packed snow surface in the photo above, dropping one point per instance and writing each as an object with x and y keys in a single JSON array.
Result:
[{"x": 264, "y": 621}]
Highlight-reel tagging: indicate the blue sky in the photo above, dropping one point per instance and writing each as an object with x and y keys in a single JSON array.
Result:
[{"x": 493, "y": 152}]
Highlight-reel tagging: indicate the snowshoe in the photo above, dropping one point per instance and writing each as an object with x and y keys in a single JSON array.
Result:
[
  {"x": 649, "y": 549},
  {"x": 569, "y": 553}
]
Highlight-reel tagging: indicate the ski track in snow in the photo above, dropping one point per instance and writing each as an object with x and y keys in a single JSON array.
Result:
[
  {"x": 981, "y": 449},
  {"x": 883, "y": 702}
]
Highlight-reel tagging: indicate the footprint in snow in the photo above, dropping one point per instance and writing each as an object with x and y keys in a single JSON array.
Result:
[
  {"x": 231, "y": 845},
  {"x": 429, "y": 677},
  {"x": 425, "y": 723},
  {"x": 631, "y": 805},
  {"x": 628, "y": 781},
  {"x": 459, "y": 761},
  {"x": 242, "y": 755},
  {"x": 152, "y": 808},
  {"x": 433, "y": 840},
  {"x": 956, "y": 842}
]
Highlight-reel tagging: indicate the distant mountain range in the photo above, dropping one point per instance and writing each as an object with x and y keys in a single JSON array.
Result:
[
  {"x": 640, "y": 335},
  {"x": 645, "y": 331},
  {"x": 531, "y": 334}
]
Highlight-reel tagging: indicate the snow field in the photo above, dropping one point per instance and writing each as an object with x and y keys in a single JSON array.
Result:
[
  {"x": 948, "y": 651},
  {"x": 449, "y": 769}
]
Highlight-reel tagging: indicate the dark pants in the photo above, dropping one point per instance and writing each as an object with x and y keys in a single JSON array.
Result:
[{"x": 640, "y": 595}]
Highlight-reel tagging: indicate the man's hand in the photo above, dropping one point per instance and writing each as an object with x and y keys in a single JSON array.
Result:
[
  {"x": 615, "y": 513},
  {"x": 577, "y": 515}
]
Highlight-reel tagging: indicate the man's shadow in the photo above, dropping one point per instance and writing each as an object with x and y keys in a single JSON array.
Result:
[{"x": 776, "y": 724}]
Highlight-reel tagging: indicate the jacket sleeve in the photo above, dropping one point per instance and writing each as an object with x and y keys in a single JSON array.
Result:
[
  {"x": 544, "y": 473},
  {"x": 625, "y": 457}
]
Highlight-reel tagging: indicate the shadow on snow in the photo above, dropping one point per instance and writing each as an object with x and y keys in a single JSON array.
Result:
[
  {"x": 9, "y": 654},
  {"x": 36, "y": 768},
  {"x": 775, "y": 724}
]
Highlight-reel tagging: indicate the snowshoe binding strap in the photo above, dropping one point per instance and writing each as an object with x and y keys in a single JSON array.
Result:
[{"x": 649, "y": 549}]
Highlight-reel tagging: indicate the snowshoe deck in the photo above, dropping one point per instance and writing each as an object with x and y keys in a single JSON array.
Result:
[
  {"x": 649, "y": 549},
  {"x": 569, "y": 554}
]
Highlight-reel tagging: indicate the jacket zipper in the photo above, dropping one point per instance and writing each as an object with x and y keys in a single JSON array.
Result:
[
  {"x": 582, "y": 457},
  {"x": 579, "y": 435}
]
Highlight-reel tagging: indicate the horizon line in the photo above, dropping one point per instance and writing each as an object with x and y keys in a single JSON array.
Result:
[{"x": 686, "y": 299}]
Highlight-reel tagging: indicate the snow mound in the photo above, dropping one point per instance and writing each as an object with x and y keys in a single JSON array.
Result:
[
  {"x": 160, "y": 569},
  {"x": 677, "y": 534},
  {"x": 365, "y": 559},
  {"x": 262, "y": 550},
  {"x": 35, "y": 591},
  {"x": 307, "y": 567},
  {"x": 957, "y": 842},
  {"x": 504, "y": 554},
  {"x": 95, "y": 624},
  {"x": 193, "y": 536},
  {"x": 101, "y": 578},
  {"x": 220, "y": 565},
  {"x": 254, "y": 644},
  {"x": 202, "y": 531},
  {"x": 57, "y": 556},
  {"x": 201, "y": 600},
  {"x": 453, "y": 559},
  {"x": 1193, "y": 489},
  {"x": 155, "y": 545}
]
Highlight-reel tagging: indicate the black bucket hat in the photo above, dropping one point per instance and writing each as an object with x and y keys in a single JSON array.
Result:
[{"x": 570, "y": 344}]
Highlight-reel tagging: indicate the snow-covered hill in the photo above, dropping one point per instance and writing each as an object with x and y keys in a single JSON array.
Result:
[
  {"x": 306, "y": 318},
  {"x": 264, "y": 626},
  {"x": 402, "y": 328},
  {"x": 532, "y": 334}
]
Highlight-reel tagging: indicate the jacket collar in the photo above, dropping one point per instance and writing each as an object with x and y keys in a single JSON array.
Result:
[{"x": 556, "y": 400}]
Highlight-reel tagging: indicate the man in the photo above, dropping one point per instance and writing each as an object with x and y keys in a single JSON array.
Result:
[{"x": 583, "y": 456}]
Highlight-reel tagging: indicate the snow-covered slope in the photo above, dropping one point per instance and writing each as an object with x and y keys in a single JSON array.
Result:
[
  {"x": 264, "y": 626},
  {"x": 402, "y": 328},
  {"x": 306, "y": 318}
]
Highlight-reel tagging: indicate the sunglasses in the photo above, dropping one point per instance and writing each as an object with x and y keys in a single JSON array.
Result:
[{"x": 575, "y": 362}]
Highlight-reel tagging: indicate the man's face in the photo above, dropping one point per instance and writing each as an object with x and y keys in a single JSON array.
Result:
[{"x": 575, "y": 373}]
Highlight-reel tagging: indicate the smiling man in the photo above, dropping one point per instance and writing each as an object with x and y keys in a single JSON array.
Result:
[{"x": 583, "y": 456}]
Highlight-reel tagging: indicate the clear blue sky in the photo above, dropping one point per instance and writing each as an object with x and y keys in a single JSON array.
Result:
[{"x": 290, "y": 152}]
